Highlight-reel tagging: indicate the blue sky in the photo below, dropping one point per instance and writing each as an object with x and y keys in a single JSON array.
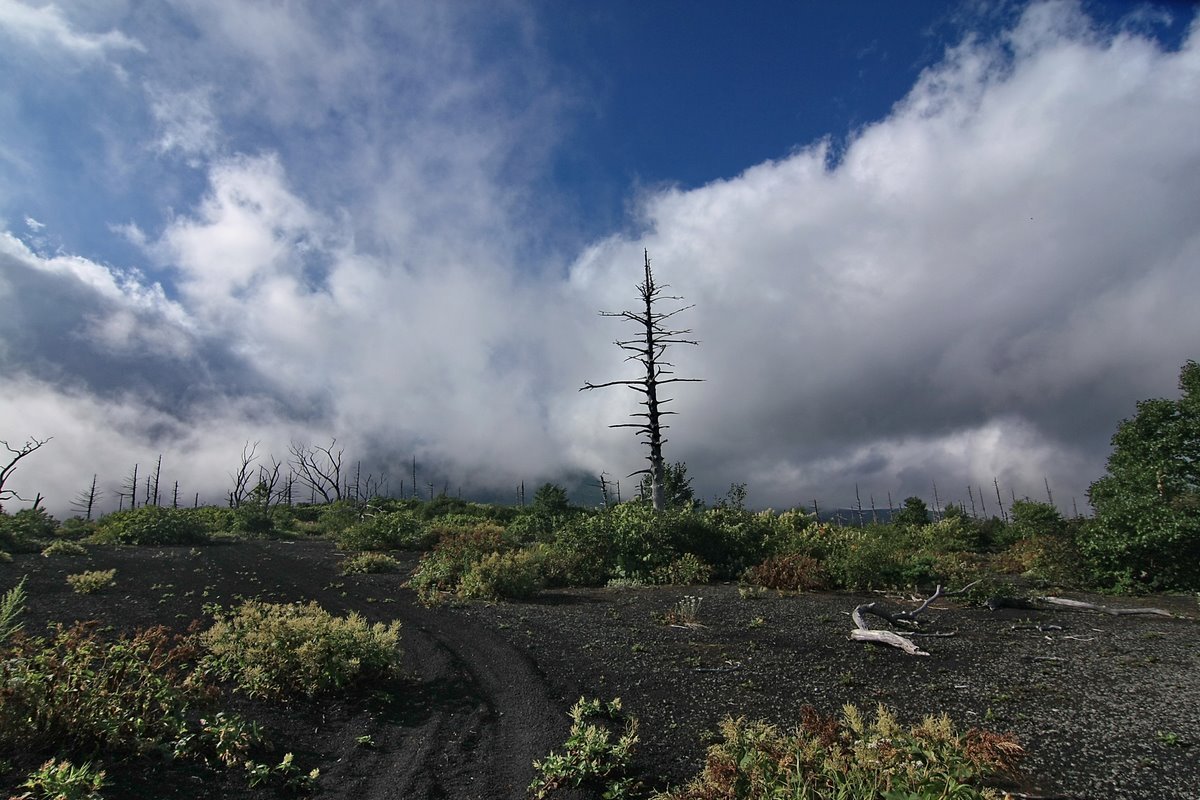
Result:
[{"x": 927, "y": 242}]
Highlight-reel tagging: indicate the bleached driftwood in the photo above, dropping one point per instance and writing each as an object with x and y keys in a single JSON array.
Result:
[
  {"x": 907, "y": 619},
  {"x": 862, "y": 633},
  {"x": 1079, "y": 605}
]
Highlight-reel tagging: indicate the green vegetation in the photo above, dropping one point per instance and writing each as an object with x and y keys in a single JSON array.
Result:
[
  {"x": 388, "y": 530},
  {"x": 369, "y": 562},
  {"x": 1146, "y": 534},
  {"x": 151, "y": 525},
  {"x": 92, "y": 580},
  {"x": 850, "y": 758},
  {"x": 590, "y": 757},
  {"x": 62, "y": 780},
  {"x": 64, "y": 547},
  {"x": 279, "y": 651},
  {"x": 12, "y": 605}
]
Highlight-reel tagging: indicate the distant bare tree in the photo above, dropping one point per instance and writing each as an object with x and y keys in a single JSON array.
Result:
[
  {"x": 15, "y": 455},
  {"x": 85, "y": 501},
  {"x": 319, "y": 468},
  {"x": 152, "y": 495},
  {"x": 241, "y": 479},
  {"x": 648, "y": 348},
  {"x": 130, "y": 487}
]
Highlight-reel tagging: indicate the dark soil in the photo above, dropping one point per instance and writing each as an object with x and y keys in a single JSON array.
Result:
[{"x": 1106, "y": 706}]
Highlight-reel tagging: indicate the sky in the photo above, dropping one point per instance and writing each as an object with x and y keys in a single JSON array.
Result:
[{"x": 945, "y": 244}]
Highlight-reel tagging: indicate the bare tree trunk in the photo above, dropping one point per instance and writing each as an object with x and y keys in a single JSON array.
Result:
[{"x": 647, "y": 349}]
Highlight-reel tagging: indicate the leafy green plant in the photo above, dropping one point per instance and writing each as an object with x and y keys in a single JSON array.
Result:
[
  {"x": 686, "y": 570},
  {"x": 851, "y": 757},
  {"x": 75, "y": 690},
  {"x": 151, "y": 525},
  {"x": 514, "y": 575},
  {"x": 441, "y": 569},
  {"x": 393, "y": 530},
  {"x": 1146, "y": 532},
  {"x": 369, "y": 562},
  {"x": 12, "y": 605},
  {"x": 686, "y": 612},
  {"x": 797, "y": 572},
  {"x": 279, "y": 651},
  {"x": 590, "y": 757},
  {"x": 64, "y": 547},
  {"x": 62, "y": 780},
  {"x": 93, "y": 580},
  {"x": 21, "y": 532}
]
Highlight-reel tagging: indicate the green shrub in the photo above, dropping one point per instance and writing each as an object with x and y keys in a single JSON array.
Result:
[
  {"x": 369, "y": 562},
  {"x": 513, "y": 575},
  {"x": 151, "y": 525},
  {"x": 728, "y": 538},
  {"x": 590, "y": 757},
  {"x": 62, "y": 780},
  {"x": 64, "y": 547},
  {"x": 333, "y": 518},
  {"x": 393, "y": 530},
  {"x": 21, "y": 532},
  {"x": 686, "y": 570},
  {"x": 75, "y": 528},
  {"x": 78, "y": 692},
  {"x": 794, "y": 572},
  {"x": 279, "y": 651},
  {"x": 92, "y": 580},
  {"x": 442, "y": 568},
  {"x": 850, "y": 758},
  {"x": 586, "y": 545}
]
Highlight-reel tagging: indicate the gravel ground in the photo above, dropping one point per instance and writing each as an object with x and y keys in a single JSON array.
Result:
[{"x": 1106, "y": 706}]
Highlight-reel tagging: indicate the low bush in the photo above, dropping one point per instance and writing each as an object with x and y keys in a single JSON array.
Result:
[
  {"x": 151, "y": 525},
  {"x": 62, "y": 780},
  {"x": 64, "y": 547},
  {"x": 79, "y": 692},
  {"x": 392, "y": 530},
  {"x": 686, "y": 570},
  {"x": 369, "y": 562},
  {"x": 514, "y": 575},
  {"x": 23, "y": 531},
  {"x": 75, "y": 694},
  {"x": 92, "y": 580},
  {"x": 591, "y": 758},
  {"x": 443, "y": 567},
  {"x": 281, "y": 651},
  {"x": 794, "y": 572},
  {"x": 851, "y": 758}
]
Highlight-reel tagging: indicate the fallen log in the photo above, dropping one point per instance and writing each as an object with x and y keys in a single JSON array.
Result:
[{"x": 1079, "y": 605}]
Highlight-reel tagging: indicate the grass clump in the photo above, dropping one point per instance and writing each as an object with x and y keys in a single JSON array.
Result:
[
  {"x": 851, "y": 757},
  {"x": 369, "y": 563},
  {"x": 62, "y": 780},
  {"x": 93, "y": 580},
  {"x": 590, "y": 757},
  {"x": 279, "y": 651}
]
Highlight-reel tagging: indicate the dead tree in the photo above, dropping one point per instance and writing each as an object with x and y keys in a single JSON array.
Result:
[
  {"x": 15, "y": 455},
  {"x": 130, "y": 487},
  {"x": 648, "y": 348},
  {"x": 85, "y": 501},
  {"x": 319, "y": 468},
  {"x": 241, "y": 479}
]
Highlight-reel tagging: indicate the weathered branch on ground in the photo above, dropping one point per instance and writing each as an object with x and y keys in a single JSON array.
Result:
[
  {"x": 1079, "y": 605},
  {"x": 908, "y": 619}
]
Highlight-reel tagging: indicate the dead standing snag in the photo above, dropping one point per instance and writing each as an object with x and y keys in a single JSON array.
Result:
[{"x": 647, "y": 349}]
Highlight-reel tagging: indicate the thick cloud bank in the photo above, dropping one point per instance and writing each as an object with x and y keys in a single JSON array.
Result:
[{"x": 977, "y": 287}]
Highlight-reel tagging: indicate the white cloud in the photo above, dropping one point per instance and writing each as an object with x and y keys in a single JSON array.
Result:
[
  {"x": 1011, "y": 250},
  {"x": 186, "y": 121},
  {"x": 48, "y": 27},
  {"x": 979, "y": 288}
]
